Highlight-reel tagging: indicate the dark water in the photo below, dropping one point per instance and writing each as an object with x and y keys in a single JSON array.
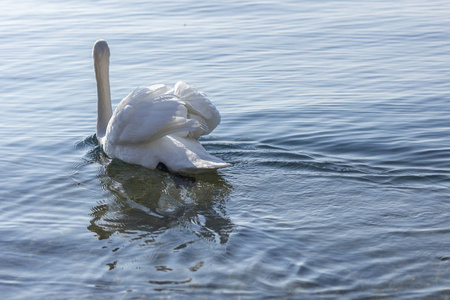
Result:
[{"x": 335, "y": 119}]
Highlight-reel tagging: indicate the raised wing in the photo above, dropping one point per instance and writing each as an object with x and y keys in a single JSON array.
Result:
[
  {"x": 148, "y": 114},
  {"x": 199, "y": 108}
]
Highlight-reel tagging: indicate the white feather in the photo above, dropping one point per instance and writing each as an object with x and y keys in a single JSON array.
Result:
[{"x": 199, "y": 108}]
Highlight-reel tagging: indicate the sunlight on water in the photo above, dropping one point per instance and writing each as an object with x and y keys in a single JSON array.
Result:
[{"x": 334, "y": 120}]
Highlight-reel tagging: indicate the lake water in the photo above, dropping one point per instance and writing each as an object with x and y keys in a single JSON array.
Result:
[{"x": 335, "y": 119}]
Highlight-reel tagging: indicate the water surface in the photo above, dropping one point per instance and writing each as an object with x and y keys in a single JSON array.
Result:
[{"x": 335, "y": 120}]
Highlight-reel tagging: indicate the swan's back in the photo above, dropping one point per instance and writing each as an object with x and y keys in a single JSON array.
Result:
[{"x": 161, "y": 124}]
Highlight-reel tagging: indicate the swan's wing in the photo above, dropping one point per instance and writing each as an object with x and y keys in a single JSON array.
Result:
[
  {"x": 199, "y": 108},
  {"x": 148, "y": 114},
  {"x": 143, "y": 94}
]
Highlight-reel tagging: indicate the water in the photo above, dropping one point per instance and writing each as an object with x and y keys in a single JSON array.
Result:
[{"x": 335, "y": 119}]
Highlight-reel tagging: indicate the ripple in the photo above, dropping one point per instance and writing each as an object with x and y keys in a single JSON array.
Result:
[{"x": 170, "y": 282}]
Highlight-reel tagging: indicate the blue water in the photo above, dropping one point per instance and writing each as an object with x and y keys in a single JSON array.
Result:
[{"x": 335, "y": 119}]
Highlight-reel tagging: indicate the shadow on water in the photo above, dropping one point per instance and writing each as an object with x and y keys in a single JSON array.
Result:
[{"x": 153, "y": 201}]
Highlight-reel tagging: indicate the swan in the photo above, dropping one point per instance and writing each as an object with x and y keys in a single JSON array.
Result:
[{"x": 154, "y": 125}]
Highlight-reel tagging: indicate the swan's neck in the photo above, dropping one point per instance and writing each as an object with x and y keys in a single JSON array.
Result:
[{"x": 104, "y": 108}]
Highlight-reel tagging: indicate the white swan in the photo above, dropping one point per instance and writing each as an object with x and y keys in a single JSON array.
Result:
[{"x": 155, "y": 124}]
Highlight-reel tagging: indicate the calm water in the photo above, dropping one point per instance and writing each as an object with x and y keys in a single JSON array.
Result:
[{"x": 336, "y": 120}]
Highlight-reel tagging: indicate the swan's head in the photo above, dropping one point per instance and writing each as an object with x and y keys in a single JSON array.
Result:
[{"x": 100, "y": 51}]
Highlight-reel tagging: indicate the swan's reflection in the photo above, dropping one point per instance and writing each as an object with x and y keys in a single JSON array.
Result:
[{"x": 152, "y": 201}]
